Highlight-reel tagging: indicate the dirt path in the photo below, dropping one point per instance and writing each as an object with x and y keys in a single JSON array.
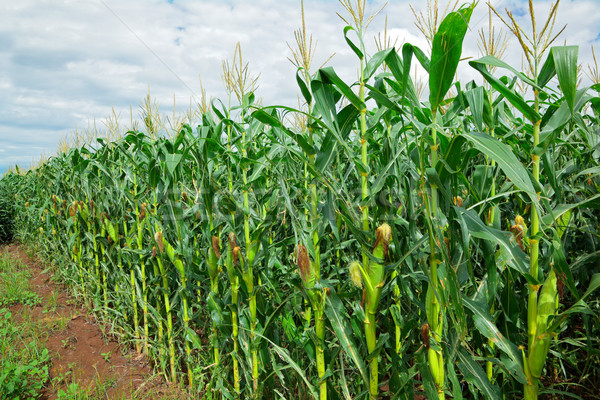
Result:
[{"x": 80, "y": 352}]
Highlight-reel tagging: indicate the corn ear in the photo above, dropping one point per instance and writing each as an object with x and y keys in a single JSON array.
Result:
[
  {"x": 305, "y": 267},
  {"x": 213, "y": 257},
  {"x": 355, "y": 274},
  {"x": 376, "y": 270},
  {"x": 169, "y": 249},
  {"x": 83, "y": 209},
  {"x": 236, "y": 255},
  {"x": 432, "y": 308},
  {"x": 425, "y": 335},
  {"x": 308, "y": 274},
  {"x": 547, "y": 306},
  {"x": 143, "y": 211},
  {"x": 112, "y": 232},
  {"x": 164, "y": 245},
  {"x": 238, "y": 259},
  {"x": 252, "y": 250},
  {"x": 229, "y": 263}
]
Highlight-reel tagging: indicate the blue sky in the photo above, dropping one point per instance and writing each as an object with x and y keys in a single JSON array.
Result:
[{"x": 65, "y": 63}]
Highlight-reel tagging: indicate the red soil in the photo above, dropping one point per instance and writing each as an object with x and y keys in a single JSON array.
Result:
[{"x": 79, "y": 349}]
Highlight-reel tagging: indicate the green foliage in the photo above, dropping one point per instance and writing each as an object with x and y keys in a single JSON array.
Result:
[
  {"x": 224, "y": 252},
  {"x": 73, "y": 392},
  {"x": 14, "y": 284},
  {"x": 8, "y": 185},
  {"x": 23, "y": 364},
  {"x": 445, "y": 53}
]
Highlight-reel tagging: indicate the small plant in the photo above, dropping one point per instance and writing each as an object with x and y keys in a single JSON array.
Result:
[
  {"x": 52, "y": 301},
  {"x": 66, "y": 342},
  {"x": 24, "y": 363},
  {"x": 73, "y": 392},
  {"x": 107, "y": 356},
  {"x": 14, "y": 284},
  {"x": 59, "y": 379}
]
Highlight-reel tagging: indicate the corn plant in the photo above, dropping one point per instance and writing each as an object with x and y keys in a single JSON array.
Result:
[{"x": 225, "y": 248}]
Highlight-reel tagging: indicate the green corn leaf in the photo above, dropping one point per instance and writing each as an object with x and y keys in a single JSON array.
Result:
[
  {"x": 485, "y": 325},
  {"x": 550, "y": 172},
  {"x": 329, "y": 74},
  {"x": 594, "y": 285},
  {"x": 565, "y": 63},
  {"x": 354, "y": 47},
  {"x": 550, "y": 218},
  {"x": 216, "y": 312},
  {"x": 326, "y": 152},
  {"x": 453, "y": 378},
  {"x": 343, "y": 381},
  {"x": 375, "y": 61},
  {"x": 563, "y": 224},
  {"x": 511, "y": 95},
  {"x": 172, "y": 161},
  {"x": 506, "y": 159},
  {"x": 345, "y": 120},
  {"x": 324, "y": 102},
  {"x": 475, "y": 99},
  {"x": 476, "y": 376},
  {"x": 334, "y": 309},
  {"x": 266, "y": 118},
  {"x": 401, "y": 72},
  {"x": 562, "y": 61},
  {"x": 495, "y": 62},
  {"x": 408, "y": 50},
  {"x": 285, "y": 355},
  {"x": 595, "y": 171},
  {"x": 454, "y": 158},
  {"x": 518, "y": 259},
  {"x": 381, "y": 341},
  {"x": 192, "y": 337},
  {"x": 303, "y": 87},
  {"x": 552, "y": 128},
  {"x": 383, "y": 174},
  {"x": 263, "y": 116},
  {"x": 548, "y": 70},
  {"x": 445, "y": 53},
  {"x": 383, "y": 99},
  {"x": 560, "y": 263},
  {"x": 454, "y": 301}
]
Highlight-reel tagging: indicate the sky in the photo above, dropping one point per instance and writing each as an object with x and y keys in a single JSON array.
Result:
[{"x": 65, "y": 64}]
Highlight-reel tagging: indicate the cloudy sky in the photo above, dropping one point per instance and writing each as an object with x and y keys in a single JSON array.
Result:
[{"x": 64, "y": 63}]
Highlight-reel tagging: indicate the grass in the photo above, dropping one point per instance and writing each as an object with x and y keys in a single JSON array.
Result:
[
  {"x": 14, "y": 284},
  {"x": 24, "y": 359}
]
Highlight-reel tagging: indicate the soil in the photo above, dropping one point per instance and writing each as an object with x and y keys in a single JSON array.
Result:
[{"x": 80, "y": 350}]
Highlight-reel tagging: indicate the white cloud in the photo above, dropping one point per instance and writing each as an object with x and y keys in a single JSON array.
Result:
[{"x": 63, "y": 63}]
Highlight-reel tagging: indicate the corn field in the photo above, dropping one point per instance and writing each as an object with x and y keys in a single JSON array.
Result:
[{"x": 370, "y": 244}]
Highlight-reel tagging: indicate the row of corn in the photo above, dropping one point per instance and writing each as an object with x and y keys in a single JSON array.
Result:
[{"x": 359, "y": 253}]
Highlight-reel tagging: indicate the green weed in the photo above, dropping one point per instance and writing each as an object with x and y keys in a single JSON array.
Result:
[{"x": 24, "y": 361}]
